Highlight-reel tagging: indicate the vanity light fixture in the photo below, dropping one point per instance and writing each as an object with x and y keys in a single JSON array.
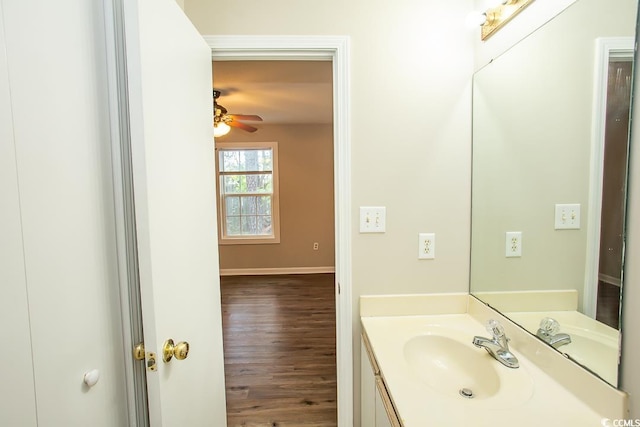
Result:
[
  {"x": 495, "y": 17},
  {"x": 220, "y": 129}
]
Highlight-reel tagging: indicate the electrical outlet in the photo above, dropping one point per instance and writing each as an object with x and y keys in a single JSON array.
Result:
[
  {"x": 316, "y": 246},
  {"x": 513, "y": 244},
  {"x": 567, "y": 216},
  {"x": 426, "y": 246},
  {"x": 373, "y": 219}
]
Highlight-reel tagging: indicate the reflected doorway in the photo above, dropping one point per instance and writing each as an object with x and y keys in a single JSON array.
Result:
[{"x": 614, "y": 177}]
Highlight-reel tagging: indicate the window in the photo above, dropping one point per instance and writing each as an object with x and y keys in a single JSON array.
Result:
[{"x": 248, "y": 192}]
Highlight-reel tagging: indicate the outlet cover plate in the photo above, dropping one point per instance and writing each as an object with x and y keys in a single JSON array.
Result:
[
  {"x": 513, "y": 244},
  {"x": 426, "y": 245}
]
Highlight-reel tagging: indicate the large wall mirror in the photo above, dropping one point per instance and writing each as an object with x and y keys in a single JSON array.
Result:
[{"x": 550, "y": 143}]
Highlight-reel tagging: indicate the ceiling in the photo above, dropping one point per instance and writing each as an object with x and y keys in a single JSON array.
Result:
[{"x": 281, "y": 92}]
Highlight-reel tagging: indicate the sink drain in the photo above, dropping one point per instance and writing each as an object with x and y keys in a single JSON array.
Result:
[{"x": 466, "y": 393}]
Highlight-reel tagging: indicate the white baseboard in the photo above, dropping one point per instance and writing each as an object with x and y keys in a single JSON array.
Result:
[
  {"x": 269, "y": 271},
  {"x": 610, "y": 279}
]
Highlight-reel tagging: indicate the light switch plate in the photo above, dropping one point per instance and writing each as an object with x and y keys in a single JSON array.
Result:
[
  {"x": 567, "y": 216},
  {"x": 373, "y": 219}
]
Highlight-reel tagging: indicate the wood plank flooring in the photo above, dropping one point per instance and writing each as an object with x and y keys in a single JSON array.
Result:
[
  {"x": 279, "y": 350},
  {"x": 608, "y": 305}
]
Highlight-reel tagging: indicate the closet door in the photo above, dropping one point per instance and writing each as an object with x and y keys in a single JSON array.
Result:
[
  {"x": 56, "y": 62},
  {"x": 17, "y": 401}
]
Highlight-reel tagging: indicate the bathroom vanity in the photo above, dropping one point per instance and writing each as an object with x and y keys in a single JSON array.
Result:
[{"x": 422, "y": 369}]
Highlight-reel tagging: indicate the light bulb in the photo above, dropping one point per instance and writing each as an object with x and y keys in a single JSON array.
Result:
[
  {"x": 220, "y": 129},
  {"x": 476, "y": 19}
]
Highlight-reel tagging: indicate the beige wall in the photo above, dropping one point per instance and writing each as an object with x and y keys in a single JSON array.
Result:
[
  {"x": 305, "y": 159},
  {"x": 411, "y": 65}
]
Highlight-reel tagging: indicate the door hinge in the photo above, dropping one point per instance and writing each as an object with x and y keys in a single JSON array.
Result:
[{"x": 338, "y": 288}]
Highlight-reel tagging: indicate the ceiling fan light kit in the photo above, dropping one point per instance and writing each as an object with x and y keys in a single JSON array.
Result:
[
  {"x": 220, "y": 129},
  {"x": 223, "y": 121}
]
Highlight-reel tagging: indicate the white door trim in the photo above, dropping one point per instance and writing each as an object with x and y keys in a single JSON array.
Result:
[
  {"x": 606, "y": 47},
  {"x": 335, "y": 48}
]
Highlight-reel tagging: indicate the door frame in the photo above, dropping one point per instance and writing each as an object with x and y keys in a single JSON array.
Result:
[
  {"x": 336, "y": 49},
  {"x": 606, "y": 48}
]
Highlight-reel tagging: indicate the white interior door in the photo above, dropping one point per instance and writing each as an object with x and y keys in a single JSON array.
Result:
[{"x": 170, "y": 101}]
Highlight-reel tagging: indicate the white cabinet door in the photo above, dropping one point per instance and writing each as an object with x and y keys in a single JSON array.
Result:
[
  {"x": 382, "y": 419},
  {"x": 169, "y": 77},
  {"x": 367, "y": 389}
]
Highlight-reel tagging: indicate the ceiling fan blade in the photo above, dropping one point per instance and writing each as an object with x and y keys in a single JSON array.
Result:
[
  {"x": 242, "y": 126},
  {"x": 249, "y": 117}
]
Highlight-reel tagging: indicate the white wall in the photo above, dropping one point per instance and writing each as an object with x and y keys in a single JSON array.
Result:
[
  {"x": 62, "y": 251},
  {"x": 411, "y": 65}
]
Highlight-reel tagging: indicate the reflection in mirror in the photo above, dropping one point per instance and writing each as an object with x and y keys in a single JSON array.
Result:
[{"x": 549, "y": 176}]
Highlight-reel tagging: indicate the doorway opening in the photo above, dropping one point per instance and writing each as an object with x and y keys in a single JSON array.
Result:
[
  {"x": 336, "y": 50},
  {"x": 277, "y": 241},
  {"x": 610, "y": 148}
]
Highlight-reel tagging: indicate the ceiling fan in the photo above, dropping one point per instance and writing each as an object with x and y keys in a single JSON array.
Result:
[{"x": 223, "y": 121}]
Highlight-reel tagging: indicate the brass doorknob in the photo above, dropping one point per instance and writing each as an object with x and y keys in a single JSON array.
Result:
[{"x": 170, "y": 350}]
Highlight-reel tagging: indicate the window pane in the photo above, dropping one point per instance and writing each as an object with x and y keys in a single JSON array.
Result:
[
  {"x": 229, "y": 160},
  {"x": 259, "y": 183},
  {"x": 264, "y": 205},
  {"x": 256, "y": 160},
  {"x": 233, "y": 226},
  {"x": 232, "y": 204},
  {"x": 247, "y": 184},
  {"x": 249, "y": 225},
  {"x": 264, "y": 223},
  {"x": 249, "y": 205},
  {"x": 232, "y": 183},
  {"x": 246, "y": 160}
]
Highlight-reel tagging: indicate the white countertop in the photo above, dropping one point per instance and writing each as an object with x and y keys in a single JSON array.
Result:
[{"x": 543, "y": 402}]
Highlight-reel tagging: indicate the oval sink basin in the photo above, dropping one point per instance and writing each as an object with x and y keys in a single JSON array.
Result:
[{"x": 448, "y": 365}]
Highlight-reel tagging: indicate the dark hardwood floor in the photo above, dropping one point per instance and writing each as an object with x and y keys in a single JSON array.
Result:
[
  {"x": 280, "y": 350},
  {"x": 608, "y": 305}
]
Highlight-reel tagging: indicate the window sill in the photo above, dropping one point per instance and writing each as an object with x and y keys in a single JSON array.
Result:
[{"x": 253, "y": 240}]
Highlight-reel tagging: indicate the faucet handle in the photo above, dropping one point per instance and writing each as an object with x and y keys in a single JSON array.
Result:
[
  {"x": 494, "y": 328},
  {"x": 549, "y": 325}
]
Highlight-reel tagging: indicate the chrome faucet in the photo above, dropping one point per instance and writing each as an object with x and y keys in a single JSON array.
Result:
[
  {"x": 548, "y": 332},
  {"x": 497, "y": 346}
]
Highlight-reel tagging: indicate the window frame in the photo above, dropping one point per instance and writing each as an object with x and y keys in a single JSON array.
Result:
[{"x": 223, "y": 237}]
